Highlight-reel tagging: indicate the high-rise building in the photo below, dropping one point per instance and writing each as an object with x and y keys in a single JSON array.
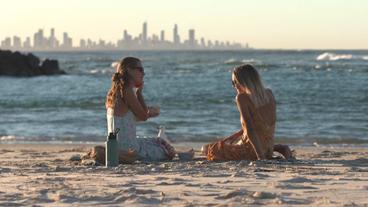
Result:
[
  {"x": 209, "y": 44},
  {"x": 17, "y": 42},
  {"x": 39, "y": 40},
  {"x": 162, "y": 36},
  {"x": 89, "y": 43},
  {"x": 67, "y": 41},
  {"x": 217, "y": 43},
  {"x": 203, "y": 43},
  {"x": 144, "y": 33},
  {"x": 82, "y": 43},
  {"x": 101, "y": 43},
  {"x": 125, "y": 38},
  {"x": 176, "y": 37},
  {"x": 53, "y": 42},
  {"x": 191, "y": 39},
  {"x": 6, "y": 43},
  {"x": 27, "y": 43}
]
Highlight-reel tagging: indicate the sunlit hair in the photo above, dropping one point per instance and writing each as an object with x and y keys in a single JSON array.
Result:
[
  {"x": 120, "y": 80},
  {"x": 248, "y": 78}
]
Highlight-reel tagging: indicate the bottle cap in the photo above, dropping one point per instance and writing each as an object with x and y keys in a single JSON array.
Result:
[{"x": 111, "y": 136}]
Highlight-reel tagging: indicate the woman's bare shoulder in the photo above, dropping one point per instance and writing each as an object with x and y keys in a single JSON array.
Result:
[{"x": 242, "y": 98}]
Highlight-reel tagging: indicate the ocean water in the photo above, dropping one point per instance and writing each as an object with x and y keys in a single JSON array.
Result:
[{"x": 322, "y": 96}]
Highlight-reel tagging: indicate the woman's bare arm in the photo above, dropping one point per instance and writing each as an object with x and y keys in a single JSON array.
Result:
[
  {"x": 135, "y": 105},
  {"x": 141, "y": 99}
]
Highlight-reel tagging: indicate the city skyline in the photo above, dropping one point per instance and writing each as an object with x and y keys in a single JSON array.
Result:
[
  {"x": 143, "y": 41},
  {"x": 283, "y": 24}
]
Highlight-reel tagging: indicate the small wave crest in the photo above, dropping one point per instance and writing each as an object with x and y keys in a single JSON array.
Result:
[
  {"x": 8, "y": 138},
  {"x": 46, "y": 139},
  {"x": 233, "y": 61},
  {"x": 334, "y": 57},
  {"x": 101, "y": 71},
  {"x": 98, "y": 59}
]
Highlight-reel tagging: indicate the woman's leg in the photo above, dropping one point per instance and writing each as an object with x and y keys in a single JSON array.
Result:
[
  {"x": 232, "y": 139},
  {"x": 222, "y": 151},
  {"x": 127, "y": 157},
  {"x": 97, "y": 153},
  {"x": 169, "y": 149}
]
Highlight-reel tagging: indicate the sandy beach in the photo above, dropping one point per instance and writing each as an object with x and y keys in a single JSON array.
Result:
[{"x": 51, "y": 175}]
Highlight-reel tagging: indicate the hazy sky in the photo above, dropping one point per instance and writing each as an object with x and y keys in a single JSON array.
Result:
[{"x": 298, "y": 24}]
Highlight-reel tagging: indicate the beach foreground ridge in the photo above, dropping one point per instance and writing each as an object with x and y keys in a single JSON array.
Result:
[{"x": 46, "y": 175}]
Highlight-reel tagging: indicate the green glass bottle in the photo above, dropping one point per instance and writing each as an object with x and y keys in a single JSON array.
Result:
[{"x": 112, "y": 150}]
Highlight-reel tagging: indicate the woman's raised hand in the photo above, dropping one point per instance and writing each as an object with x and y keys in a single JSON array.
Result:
[
  {"x": 140, "y": 87},
  {"x": 153, "y": 111}
]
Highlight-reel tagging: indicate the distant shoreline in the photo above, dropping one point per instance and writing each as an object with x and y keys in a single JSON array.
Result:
[{"x": 194, "y": 50}]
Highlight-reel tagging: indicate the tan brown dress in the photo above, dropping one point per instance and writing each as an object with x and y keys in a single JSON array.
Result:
[{"x": 259, "y": 123}]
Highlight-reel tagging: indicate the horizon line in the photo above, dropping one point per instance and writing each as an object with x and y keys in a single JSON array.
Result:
[{"x": 178, "y": 50}]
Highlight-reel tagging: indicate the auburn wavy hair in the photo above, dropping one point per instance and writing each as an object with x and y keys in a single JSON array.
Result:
[{"x": 120, "y": 80}]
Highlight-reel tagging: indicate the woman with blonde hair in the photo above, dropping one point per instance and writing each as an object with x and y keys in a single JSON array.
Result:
[
  {"x": 257, "y": 108},
  {"x": 125, "y": 104}
]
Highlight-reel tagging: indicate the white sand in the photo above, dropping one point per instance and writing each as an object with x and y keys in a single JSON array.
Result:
[{"x": 43, "y": 175}]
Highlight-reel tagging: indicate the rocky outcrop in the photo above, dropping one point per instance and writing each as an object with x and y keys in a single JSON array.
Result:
[{"x": 26, "y": 65}]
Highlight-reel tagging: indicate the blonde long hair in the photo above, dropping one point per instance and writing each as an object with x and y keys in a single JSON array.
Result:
[
  {"x": 120, "y": 80},
  {"x": 248, "y": 78}
]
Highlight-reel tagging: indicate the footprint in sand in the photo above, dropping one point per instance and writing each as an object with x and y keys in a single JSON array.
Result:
[
  {"x": 192, "y": 184},
  {"x": 144, "y": 201},
  {"x": 292, "y": 201},
  {"x": 295, "y": 187},
  {"x": 4, "y": 170},
  {"x": 139, "y": 191},
  {"x": 263, "y": 195},
  {"x": 232, "y": 194},
  {"x": 3, "y": 151},
  {"x": 261, "y": 175},
  {"x": 250, "y": 194},
  {"x": 298, "y": 180}
]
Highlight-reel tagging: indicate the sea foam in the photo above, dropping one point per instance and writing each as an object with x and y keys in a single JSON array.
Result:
[
  {"x": 233, "y": 61},
  {"x": 334, "y": 57}
]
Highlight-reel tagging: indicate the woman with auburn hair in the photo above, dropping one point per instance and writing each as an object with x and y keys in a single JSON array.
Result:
[
  {"x": 125, "y": 104},
  {"x": 257, "y": 108}
]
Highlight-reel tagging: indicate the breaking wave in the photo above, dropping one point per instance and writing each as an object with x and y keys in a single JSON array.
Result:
[
  {"x": 334, "y": 57},
  {"x": 233, "y": 61}
]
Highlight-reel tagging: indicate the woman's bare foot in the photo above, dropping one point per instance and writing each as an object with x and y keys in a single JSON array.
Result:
[
  {"x": 204, "y": 150},
  {"x": 284, "y": 150},
  {"x": 186, "y": 155}
]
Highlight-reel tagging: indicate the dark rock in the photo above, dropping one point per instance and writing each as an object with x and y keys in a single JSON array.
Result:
[
  {"x": 51, "y": 67},
  {"x": 33, "y": 62},
  {"x": 17, "y": 64}
]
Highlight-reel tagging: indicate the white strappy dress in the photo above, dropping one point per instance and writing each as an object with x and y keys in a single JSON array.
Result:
[{"x": 148, "y": 149}]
